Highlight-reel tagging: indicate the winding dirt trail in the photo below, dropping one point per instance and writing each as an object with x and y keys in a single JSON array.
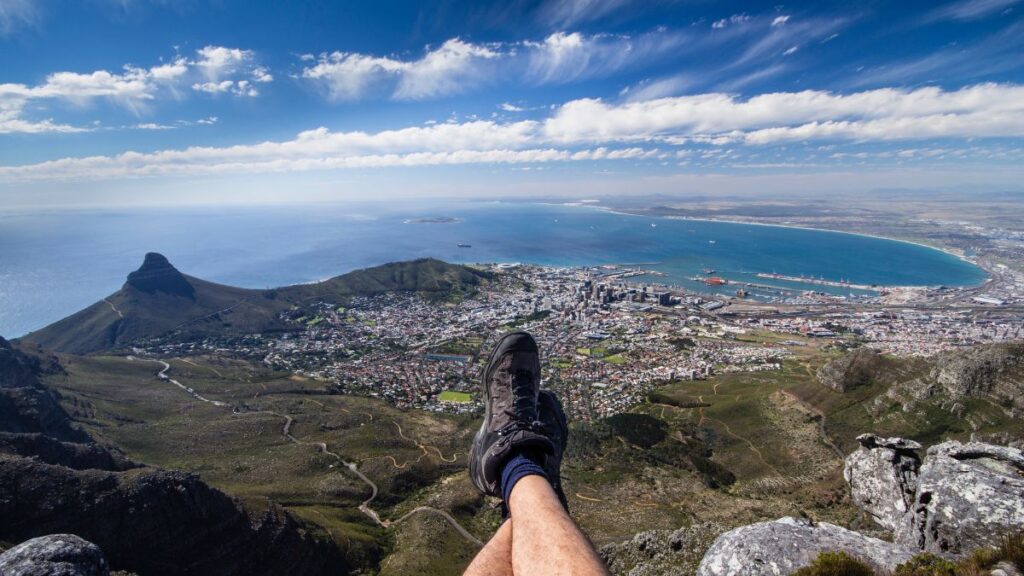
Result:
[
  {"x": 750, "y": 444},
  {"x": 821, "y": 423},
  {"x": 114, "y": 308},
  {"x": 364, "y": 507}
]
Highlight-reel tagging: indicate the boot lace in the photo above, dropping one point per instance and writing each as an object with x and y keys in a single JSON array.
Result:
[{"x": 524, "y": 405}]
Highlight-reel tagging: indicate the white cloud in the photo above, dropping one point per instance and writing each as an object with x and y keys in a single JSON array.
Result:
[
  {"x": 236, "y": 87},
  {"x": 219, "y": 61},
  {"x": 564, "y": 57},
  {"x": 171, "y": 71},
  {"x": 790, "y": 50},
  {"x": 11, "y": 123},
  {"x": 208, "y": 120},
  {"x": 229, "y": 71},
  {"x": 507, "y": 107},
  {"x": 152, "y": 126},
  {"x": 591, "y": 129},
  {"x": 984, "y": 110},
  {"x": 217, "y": 70},
  {"x": 734, "y": 19},
  {"x": 261, "y": 74},
  {"x": 780, "y": 20},
  {"x": 458, "y": 66},
  {"x": 452, "y": 67}
]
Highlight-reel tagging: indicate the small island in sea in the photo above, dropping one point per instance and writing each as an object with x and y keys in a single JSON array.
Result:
[{"x": 434, "y": 220}]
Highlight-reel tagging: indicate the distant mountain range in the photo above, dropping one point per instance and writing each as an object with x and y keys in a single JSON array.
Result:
[{"x": 158, "y": 300}]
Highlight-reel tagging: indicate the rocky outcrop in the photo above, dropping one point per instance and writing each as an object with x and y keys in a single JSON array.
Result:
[
  {"x": 26, "y": 406},
  {"x": 158, "y": 275},
  {"x": 156, "y": 522},
  {"x": 54, "y": 555},
  {"x": 54, "y": 479},
  {"x": 882, "y": 474},
  {"x": 960, "y": 498},
  {"x": 968, "y": 495},
  {"x": 856, "y": 368},
  {"x": 996, "y": 370},
  {"x": 785, "y": 545},
  {"x": 74, "y": 455},
  {"x": 662, "y": 552}
]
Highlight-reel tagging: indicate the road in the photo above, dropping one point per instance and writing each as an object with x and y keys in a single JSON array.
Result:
[{"x": 364, "y": 507}]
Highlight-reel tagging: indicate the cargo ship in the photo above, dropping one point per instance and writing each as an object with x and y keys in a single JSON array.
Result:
[{"x": 465, "y": 245}]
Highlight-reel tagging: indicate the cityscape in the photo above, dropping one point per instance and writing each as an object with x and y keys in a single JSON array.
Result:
[{"x": 609, "y": 336}]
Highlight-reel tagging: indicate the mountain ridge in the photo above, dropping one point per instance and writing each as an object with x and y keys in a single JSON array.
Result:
[{"x": 157, "y": 299}]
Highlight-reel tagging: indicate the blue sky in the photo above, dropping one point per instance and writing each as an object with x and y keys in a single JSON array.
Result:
[{"x": 161, "y": 102}]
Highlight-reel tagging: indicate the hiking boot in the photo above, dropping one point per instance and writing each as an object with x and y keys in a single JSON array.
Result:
[
  {"x": 511, "y": 382},
  {"x": 552, "y": 415}
]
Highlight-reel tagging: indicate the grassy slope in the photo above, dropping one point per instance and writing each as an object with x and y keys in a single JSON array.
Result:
[
  {"x": 763, "y": 427},
  {"x": 122, "y": 403}
]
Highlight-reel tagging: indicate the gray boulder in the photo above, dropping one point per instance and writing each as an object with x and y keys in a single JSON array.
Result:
[
  {"x": 661, "y": 552},
  {"x": 968, "y": 496},
  {"x": 54, "y": 555},
  {"x": 788, "y": 544},
  {"x": 882, "y": 474}
]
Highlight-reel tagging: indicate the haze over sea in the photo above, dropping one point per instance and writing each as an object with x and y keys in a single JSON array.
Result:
[{"x": 55, "y": 263}]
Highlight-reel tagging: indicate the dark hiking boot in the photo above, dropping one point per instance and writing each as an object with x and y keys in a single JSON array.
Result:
[
  {"x": 511, "y": 382},
  {"x": 552, "y": 415}
]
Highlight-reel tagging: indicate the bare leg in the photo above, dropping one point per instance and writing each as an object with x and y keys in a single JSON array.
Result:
[
  {"x": 494, "y": 559},
  {"x": 546, "y": 540}
]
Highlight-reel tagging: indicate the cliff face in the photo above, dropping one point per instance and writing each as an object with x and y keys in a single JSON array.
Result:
[
  {"x": 858, "y": 368},
  {"x": 25, "y": 405},
  {"x": 995, "y": 371},
  {"x": 156, "y": 522},
  {"x": 54, "y": 479}
]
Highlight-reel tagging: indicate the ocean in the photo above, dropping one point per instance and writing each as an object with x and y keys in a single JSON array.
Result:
[{"x": 55, "y": 263}]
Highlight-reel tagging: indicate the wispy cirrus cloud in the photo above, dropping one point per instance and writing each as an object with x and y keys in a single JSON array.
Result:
[
  {"x": 752, "y": 49},
  {"x": 569, "y": 13},
  {"x": 994, "y": 54},
  {"x": 17, "y": 14},
  {"x": 458, "y": 66},
  {"x": 966, "y": 10},
  {"x": 591, "y": 129}
]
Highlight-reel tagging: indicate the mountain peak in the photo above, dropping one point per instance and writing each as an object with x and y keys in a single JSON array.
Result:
[{"x": 158, "y": 275}]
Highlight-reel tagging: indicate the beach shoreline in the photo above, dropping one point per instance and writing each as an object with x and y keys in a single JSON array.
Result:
[{"x": 947, "y": 251}]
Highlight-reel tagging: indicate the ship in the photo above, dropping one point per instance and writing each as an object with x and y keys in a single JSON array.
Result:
[
  {"x": 709, "y": 270},
  {"x": 465, "y": 245}
]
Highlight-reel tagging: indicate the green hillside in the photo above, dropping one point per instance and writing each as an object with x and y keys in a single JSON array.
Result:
[{"x": 426, "y": 276}]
